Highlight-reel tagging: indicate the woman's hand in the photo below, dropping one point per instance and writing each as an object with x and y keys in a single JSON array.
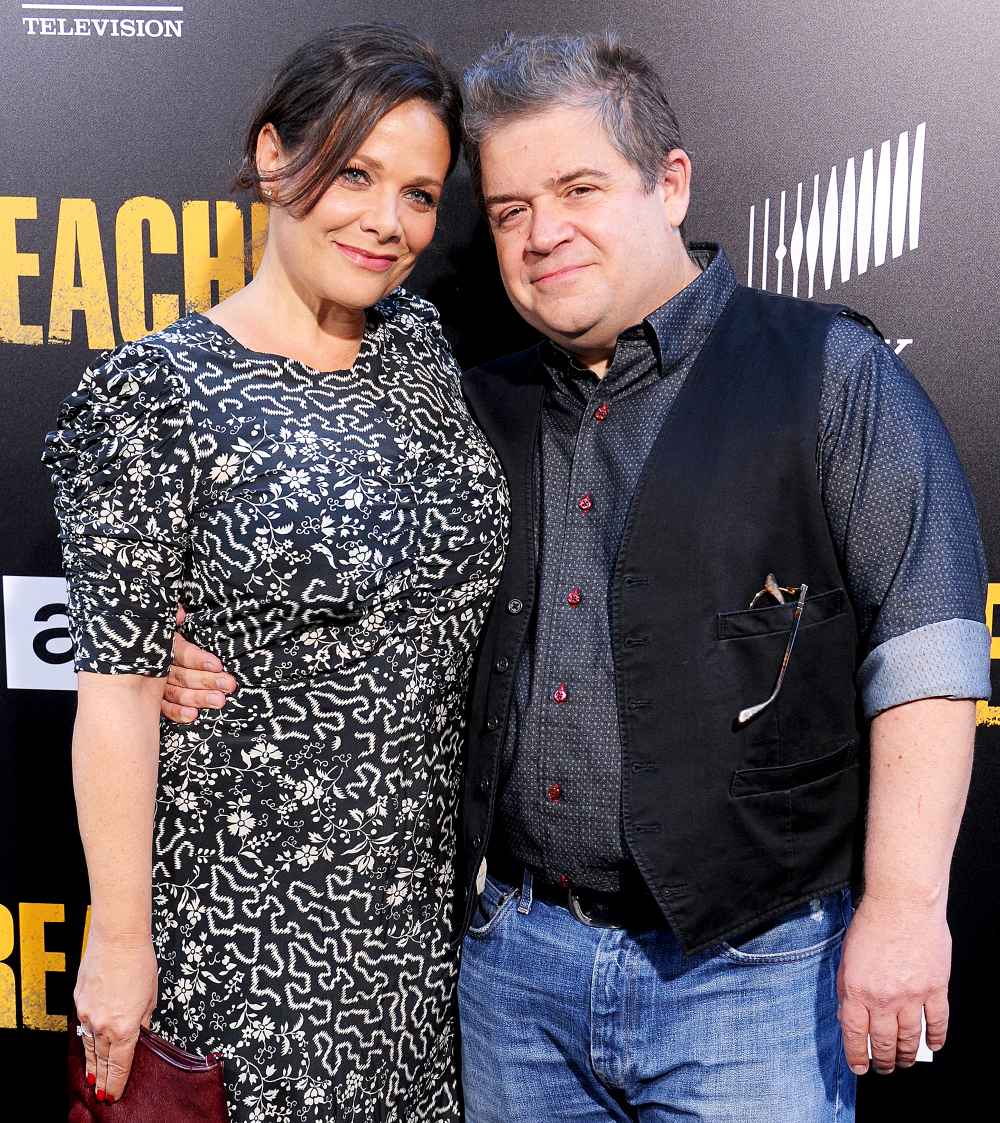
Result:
[{"x": 115, "y": 993}]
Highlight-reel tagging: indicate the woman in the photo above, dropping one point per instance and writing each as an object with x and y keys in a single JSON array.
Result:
[{"x": 297, "y": 467}]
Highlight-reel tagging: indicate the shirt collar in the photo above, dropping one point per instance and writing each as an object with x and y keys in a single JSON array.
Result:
[{"x": 668, "y": 334}]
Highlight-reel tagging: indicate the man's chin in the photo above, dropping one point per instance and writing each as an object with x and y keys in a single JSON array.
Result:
[{"x": 563, "y": 325}]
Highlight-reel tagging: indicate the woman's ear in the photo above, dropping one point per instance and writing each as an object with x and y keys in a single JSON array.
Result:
[{"x": 270, "y": 155}]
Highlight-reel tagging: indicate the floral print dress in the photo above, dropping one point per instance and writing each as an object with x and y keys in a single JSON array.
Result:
[{"x": 336, "y": 539}]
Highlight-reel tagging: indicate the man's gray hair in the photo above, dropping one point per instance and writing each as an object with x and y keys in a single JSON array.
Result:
[{"x": 525, "y": 75}]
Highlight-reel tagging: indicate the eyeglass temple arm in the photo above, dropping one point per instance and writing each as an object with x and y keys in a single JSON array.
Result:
[{"x": 752, "y": 711}]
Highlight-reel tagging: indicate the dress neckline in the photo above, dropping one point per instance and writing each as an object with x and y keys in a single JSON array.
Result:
[{"x": 369, "y": 341}]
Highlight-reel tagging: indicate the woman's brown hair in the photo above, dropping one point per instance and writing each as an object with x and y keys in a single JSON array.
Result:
[{"x": 331, "y": 92}]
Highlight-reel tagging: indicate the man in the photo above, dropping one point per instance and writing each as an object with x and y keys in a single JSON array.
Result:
[{"x": 741, "y": 612}]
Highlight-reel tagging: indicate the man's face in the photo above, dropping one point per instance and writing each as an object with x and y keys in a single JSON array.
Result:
[{"x": 584, "y": 250}]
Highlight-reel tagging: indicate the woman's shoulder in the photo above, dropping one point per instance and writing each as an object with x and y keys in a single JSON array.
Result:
[
  {"x": 140, "y": 375},
  {"x": 150, "y": 363},
  {"x": 129, "y": 393},
  {"x": 407, "y": 310},
  {"x": 166, "y": 354},
  {"x": 416, "y": 325}
]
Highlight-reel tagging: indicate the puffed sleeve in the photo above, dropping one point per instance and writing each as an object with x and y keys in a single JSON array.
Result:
[
  {"x": 422, "y": 317},
  {"x": 122, "y": 462}
]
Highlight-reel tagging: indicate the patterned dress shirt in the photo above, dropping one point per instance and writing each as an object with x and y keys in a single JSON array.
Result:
[{"x": 902, "y": 519}]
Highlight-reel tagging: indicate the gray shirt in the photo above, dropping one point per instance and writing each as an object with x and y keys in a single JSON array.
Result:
[{"x": 902, "y": 519}]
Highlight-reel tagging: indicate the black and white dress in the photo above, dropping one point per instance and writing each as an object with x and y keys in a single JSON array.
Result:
[{"x": 336, "y": 538}]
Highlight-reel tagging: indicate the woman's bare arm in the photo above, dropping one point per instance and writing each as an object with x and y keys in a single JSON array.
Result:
[
  {"x": 115, "y": 761},
  {"x": 116, "y": 742}
]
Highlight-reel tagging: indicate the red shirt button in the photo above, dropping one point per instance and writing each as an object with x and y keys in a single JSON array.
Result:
[
  {"x": 601, "y": 412},
  {"x": 554, "y": 793},
  {"x": 564, "y": 881},
  {"x": 574, "y": 596},
  {"x": 585, "y": 502},
  {"x": 559, "y": 694}
]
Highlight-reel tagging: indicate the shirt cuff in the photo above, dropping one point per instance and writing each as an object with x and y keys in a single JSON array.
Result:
[{"x": 949, "y": 659}]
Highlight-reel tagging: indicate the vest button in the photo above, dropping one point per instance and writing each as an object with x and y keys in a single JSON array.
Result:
[
  {"x": 574, "y": 597},
  {"x": 485, "y": 785},
  {"x": 514, "y": 606},
  {"x": 601, "y": 412},
  {"x": 564, "y": 881},
  {"x": 477, "y": 841},
  {"x": 554, "y": 792},
  {"x": 502, "y": 665},
  {"x": 492, "y": 722},
  {"x": 585, "y": 502},
  {"x": 559, "y": 695}
]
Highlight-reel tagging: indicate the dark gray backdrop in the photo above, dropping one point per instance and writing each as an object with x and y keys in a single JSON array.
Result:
[{"x": 769, "y": 95}]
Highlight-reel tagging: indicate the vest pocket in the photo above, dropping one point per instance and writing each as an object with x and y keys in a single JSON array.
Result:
[
  {"x": 776, "y": 778},
  {"x": 749, "y": 622}
]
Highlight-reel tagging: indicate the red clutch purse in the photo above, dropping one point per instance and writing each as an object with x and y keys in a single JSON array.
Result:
[{"x": 165, "y": 1085}]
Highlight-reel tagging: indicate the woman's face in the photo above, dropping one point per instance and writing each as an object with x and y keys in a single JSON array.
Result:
[{"x": 364, "y": 235}]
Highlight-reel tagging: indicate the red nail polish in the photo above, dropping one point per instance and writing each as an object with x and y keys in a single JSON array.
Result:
[
  {"x": 108, "y": 1098},
  {"x": 91, "y": 1079},
  {"x": 99, "y": 1093}
]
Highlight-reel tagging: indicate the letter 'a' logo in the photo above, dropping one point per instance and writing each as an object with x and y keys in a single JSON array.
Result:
[
  {"x": 36, "y": 634},
  {"x": 861, "y": 216}
]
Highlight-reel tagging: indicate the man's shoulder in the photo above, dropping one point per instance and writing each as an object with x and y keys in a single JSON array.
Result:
[
  {"x": 522, "y": 368},
  {"x": 785, "y": 308},
  {"x": 503, "y": 392}
]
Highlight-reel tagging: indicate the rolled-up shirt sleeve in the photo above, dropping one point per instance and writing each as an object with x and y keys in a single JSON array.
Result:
[{"x": 904, "y": 523}]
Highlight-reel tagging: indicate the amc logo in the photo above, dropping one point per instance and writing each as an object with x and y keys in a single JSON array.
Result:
[{"x": 38, "y": 646}]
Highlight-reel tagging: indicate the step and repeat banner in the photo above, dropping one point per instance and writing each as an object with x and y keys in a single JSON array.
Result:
[{"x": 842, "y": 151}]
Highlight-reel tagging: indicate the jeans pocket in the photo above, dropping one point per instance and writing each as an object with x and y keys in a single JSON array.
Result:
[
  {"x": 492, "y": 904},
  {"x": 806, "y": 930}
]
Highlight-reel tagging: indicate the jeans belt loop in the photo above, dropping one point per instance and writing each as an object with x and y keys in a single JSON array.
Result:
[{"x": 524, "y": 906}]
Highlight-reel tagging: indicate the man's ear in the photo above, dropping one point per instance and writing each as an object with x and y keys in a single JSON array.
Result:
[{"x": 675, "y": 185}]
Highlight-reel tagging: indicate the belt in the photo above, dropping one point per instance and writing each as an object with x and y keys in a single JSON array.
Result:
[{"x": 632, "y": 907}]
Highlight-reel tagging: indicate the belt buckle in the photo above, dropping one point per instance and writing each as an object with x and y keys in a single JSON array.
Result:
[{"x": 584, "y": 918}]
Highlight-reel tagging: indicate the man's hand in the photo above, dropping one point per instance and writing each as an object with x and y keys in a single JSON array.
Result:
[
  {"x": 197, "y": 680},
  {"x": 897, "y": 952},
  {"x": 896, "y": 961}
]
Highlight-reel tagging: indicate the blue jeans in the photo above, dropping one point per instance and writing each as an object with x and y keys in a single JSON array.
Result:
[{"x": 563, "y": 1021}]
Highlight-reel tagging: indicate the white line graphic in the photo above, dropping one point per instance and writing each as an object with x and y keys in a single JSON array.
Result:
[
  {"x": 847, "y": 223},
  {"x": 101, "y": 8},
  {"x": 916, "y": 185},
  {"x": 812, "y": 235},
  {"x": 830, "y": 228},
  {"x": 858, "y": 218},
  {"x": 880, "y": 231},
  {"x": 797, "y": 243},
  {"x": 763, "y": 256},
  {"x": 900, "y": 186},
  {"x": 782, "y": 249},
  {"x": 866, "y": 198}
]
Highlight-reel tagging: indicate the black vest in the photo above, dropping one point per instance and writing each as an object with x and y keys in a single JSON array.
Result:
[{"x": 729, "y": 826}]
